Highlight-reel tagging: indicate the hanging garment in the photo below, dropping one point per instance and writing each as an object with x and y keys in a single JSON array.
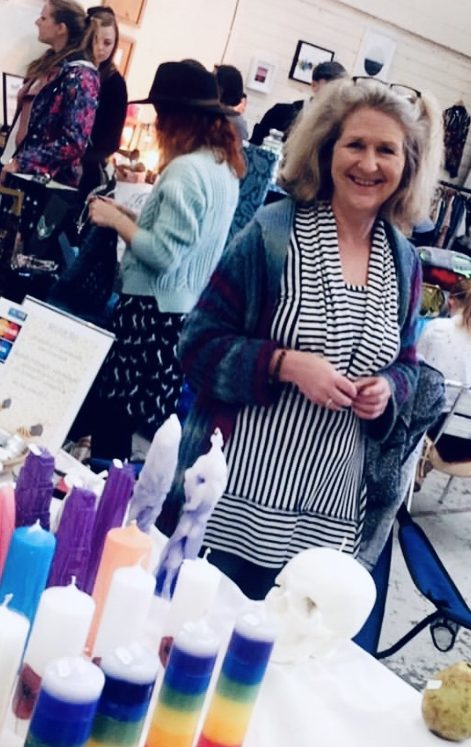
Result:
[{"x": 456, "y": 121}]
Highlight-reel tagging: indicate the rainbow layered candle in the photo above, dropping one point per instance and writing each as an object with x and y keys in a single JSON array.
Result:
[
  {"x": 238, "y": 683},
  {"x": 66, "y": 705},
  {"x": 130, "y": 674},
  {"x": 184, "y": 687}
]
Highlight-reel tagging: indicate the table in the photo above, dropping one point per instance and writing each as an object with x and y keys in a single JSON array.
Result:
[{"x": 347, "y": 699}]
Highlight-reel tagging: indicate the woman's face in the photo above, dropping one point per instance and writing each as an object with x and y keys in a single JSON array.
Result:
[
  {"x": 367, "y": 162},
  {"x": 50, "y": 32},
  {"x": 103, "y": 43}
]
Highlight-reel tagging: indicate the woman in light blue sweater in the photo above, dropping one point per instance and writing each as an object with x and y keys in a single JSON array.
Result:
[{"x": 171, "y": 253}]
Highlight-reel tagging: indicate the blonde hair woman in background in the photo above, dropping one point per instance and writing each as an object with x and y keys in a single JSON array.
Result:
[
  {"x": 112, "y": 104},
  {"x": 57, "y": 102},
  {"x": 446, "y": 345}
]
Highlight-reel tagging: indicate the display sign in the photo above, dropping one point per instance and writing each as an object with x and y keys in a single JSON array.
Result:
[{"x": 50, "y": 361}]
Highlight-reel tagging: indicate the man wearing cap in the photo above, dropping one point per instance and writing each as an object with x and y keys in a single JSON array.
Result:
[
  {"x": 281, "y": 116},
  {"x": 231, "y": 90}
]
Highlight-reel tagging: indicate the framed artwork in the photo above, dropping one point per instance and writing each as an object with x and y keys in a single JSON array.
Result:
[
  {"x": 305, "y": 59},
  {"x": 261, "y": 74},
  {"x": 123, "y": 55},
  {"x": 375, "y": 55},
  {"x": 130, "y": 11},
  {"x": 11, "y": 85}
]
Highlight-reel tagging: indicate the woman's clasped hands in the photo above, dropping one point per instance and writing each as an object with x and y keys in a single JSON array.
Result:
[{"x": 321, "y": 383}]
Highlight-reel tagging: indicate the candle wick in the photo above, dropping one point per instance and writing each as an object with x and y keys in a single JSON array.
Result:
[
  {"x": 343, "y": 545},
  {"x": 7, "y": 599},
  {"x": 73, "y": 581},
  {"x": 207, "y": 553}
]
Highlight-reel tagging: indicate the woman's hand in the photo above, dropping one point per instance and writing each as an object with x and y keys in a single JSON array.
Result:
[
  {"x": 317, "y": 379},
  {"x": 373, "y": 394},
  {"x": 122, "y": 208},
  {"x": 103, "y": 212},
  {"x": 106, "y": 213}
]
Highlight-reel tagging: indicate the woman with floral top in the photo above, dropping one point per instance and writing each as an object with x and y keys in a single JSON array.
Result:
[{"x": 57, "y": 102}]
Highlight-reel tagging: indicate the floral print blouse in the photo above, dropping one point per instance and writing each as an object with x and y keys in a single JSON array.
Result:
[{"x": 61, "y": 120}]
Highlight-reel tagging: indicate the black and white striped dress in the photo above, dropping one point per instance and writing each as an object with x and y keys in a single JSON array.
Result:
[{"x": 295, "y": 469}]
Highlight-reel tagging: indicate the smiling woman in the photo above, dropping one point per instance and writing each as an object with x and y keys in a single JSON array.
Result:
[{"x": 303, "y": 344}]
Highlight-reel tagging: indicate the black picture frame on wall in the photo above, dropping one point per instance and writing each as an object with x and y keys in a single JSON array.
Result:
[
  {"x": 305, "y": 59},
  {"x": 11, "y": 84}
]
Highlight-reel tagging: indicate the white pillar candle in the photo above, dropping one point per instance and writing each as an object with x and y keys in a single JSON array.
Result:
[
  {"x": 126, "y": 609},
  {"x": 195, "y": 592},
  {"x": 14, "y": 628},
  {"x": 60, "y": 629}
]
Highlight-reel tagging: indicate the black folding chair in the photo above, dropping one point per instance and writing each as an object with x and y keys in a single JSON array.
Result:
[{"x": 435, "y": 583}]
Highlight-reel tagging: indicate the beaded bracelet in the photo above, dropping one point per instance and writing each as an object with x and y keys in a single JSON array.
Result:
[{"x": 275, "y": 376}]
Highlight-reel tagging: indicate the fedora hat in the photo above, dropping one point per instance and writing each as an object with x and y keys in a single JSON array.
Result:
[{"x": 184, "y": 85}]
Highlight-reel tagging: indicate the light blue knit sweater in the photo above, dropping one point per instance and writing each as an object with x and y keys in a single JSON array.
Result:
[{"x": 182, "y": 232}]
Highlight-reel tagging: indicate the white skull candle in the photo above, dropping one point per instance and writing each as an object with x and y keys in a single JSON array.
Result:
[{"x": 322, "y": 598}]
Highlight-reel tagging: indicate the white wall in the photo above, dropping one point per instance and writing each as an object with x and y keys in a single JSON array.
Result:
[
  {"x": 446, "y": 23},
  {"x": 275, "y": 26},
  {"x": 433, "y": 40}
]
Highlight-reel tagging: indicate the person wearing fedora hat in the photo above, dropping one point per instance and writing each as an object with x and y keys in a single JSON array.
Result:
[{"x": 171, "y": 252}]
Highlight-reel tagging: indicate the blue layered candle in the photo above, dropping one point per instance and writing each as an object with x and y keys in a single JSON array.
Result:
[
  {"x": 27, "y": 567},
  {"x": 66, "y": 705},
  {"x": 184, "y": 687},
  {"x": 130, "y": 674}
]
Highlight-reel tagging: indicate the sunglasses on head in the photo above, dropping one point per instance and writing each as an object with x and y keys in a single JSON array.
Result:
[{"x": 407, "y": 92}]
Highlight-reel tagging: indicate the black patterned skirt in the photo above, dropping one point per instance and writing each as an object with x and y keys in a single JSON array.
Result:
[{"x": 142, "y": 370}]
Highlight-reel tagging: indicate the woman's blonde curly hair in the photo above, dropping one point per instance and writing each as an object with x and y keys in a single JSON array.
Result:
[{"x": 306, "y": 169}]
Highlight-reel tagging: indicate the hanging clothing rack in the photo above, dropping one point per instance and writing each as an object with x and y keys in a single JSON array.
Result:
[{"x": 456, "y": 187}]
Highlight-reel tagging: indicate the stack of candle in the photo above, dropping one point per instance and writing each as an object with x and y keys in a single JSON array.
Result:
[
  {"x": 27, "y": 567},
  {"x": 130, "y": 674},
  {"x": 183, "y": 690},
  {"x": 126, "y": 609},
  {"x": 124, "y": 546},
  {"x": 110, "y": 514},
  {"x": 238, "y": 684},
  {"x": 13, "y": 633},
  {"x": 60, "y": 629},
  {"x": 7, "y": 520},
  {"x": 34, "y": 488},
  {"x": 74, "y": 537},
  {"x": 66, "y": 704}
]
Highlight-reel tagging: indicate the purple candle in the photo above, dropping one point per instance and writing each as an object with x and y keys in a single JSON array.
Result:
[
  {"x": 34, "y": 487},
  {"x": 74, "y": 538},
  {"x": 110, "y": 514},
  {"x": 204, "y": 484}
]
